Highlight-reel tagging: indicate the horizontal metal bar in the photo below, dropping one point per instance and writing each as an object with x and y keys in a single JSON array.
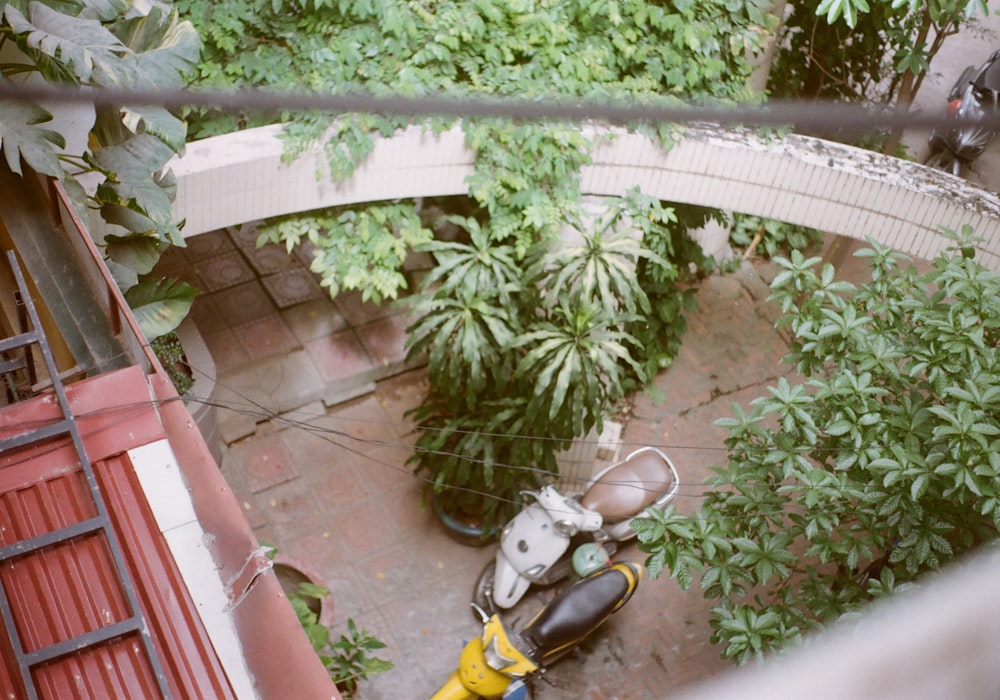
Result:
[
  {"x": 20, "y": 340},
  {"x": 52, "y": 537},
  {"x": 88, "y": 639},
  {"x": 13, "y": 365},
  {"x": 62, "y": 427}
]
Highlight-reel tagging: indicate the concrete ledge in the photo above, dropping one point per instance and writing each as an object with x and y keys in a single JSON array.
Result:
[{"x": 852, "y": 192}]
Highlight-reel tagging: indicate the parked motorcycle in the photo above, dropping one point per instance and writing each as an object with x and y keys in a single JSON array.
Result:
[
  {"x": 537, "y": 546},
  {"x": 501, "y": 663},
  {"x": 974, "y": 97}
]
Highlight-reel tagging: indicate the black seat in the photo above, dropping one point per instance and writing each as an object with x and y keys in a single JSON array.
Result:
[{"x": 577, "y": 612}]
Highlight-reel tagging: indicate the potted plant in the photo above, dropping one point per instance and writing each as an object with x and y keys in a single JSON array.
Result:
[{"x": 523, "y": 357}]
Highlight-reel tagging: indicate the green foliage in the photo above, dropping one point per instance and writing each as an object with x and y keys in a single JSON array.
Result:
[
  {"x": 21, "y": 137},
  {"x": 159, "y": 305},
  {"x": 360, "y": 247},
  {"x": 879, "y": 54},
  {"x": 349, "y": 659},
  {"x": 527, "y": 175},
  {"x": 667, "y": 275},
  {"x": 169, "y": 351},
  {"x": 878, "y": 468},
  {"x": 776, "y": 237},
  {"x": 107, "y": 44},
  {"x": 524, "y": 356}
]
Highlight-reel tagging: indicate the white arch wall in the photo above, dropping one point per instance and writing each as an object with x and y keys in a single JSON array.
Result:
[{"x": 240, "y": 177}]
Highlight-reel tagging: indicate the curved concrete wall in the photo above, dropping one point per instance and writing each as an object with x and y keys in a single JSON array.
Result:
[{"x": 240, "y": 177}]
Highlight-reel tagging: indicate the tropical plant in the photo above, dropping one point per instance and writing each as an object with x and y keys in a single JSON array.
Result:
[
  {"x": 527, "y": 175},
  {"x": 348, "y": 659},
  {"x": 877, "y": 469},
  {"x": 770, "y": 237},
  {"x": 114, "y": 44},
  {"x": 171, "y": 354},
  {"x": 354, "y": 247},
  {"x": 524, "y": 358}
]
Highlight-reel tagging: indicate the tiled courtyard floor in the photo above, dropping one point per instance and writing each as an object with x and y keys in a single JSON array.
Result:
[{"x": 326, "y": 481}]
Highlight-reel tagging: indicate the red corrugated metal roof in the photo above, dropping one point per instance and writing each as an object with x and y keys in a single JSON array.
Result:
[{"x": 69, "y": 589}]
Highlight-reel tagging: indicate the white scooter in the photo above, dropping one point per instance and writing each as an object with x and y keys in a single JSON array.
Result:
[{"x": 535, "y": 545}]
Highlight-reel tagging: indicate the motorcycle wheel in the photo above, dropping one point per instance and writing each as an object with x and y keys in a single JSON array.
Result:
[
  {"x": 944, "y": 160},
  {"x": 482, "y": 593}
]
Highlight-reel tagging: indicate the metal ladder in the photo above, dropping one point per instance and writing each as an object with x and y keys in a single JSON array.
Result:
[{"x": 101, "y": 523}]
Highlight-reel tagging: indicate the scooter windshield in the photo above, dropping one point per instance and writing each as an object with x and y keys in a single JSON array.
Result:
[{"x": 501, "y": 653}]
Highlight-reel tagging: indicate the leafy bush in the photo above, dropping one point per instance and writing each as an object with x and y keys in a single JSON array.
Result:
[
  {"x": 525, "y": 357},
  {"x": 878, "y": 468},
  {"x": 770, "y": 237},
  {"x": 348, "y": 659},
  {"x": 169, "y": 351}
]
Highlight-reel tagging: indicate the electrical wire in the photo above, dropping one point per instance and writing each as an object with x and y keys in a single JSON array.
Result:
[{"x": 809, "y": 116}]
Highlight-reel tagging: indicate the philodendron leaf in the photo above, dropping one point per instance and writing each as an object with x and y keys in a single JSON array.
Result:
[
  {"x": 157, "y": 121},
  {"x": 125, "y": 277},
  {"x": 160, "y": 305},
  {"x": 130, "y": 219},
  {"x": 139, "y": 252},
  {"x": 139, "y": 183},
  {"x": 67, "y": 47},
  {"x": 21, "y": 137},
  {"x": 165, "y": 49}
]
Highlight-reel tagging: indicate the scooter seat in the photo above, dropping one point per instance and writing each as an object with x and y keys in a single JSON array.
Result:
[
  {"x": 578, "y": 611},
  {"x": 625, "y": 490}
]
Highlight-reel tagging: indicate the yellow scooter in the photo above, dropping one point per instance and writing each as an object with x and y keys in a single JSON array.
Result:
[{"x": 500, "y": 663}]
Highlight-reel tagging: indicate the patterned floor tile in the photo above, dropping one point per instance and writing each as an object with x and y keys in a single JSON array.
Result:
[
  {"x": 264, "y": 337},
  {"x": 243, "y": 303},
  {"x": 314, "y": 318},
  {"x": 270, "y": 259},
  {"x": 339, "y": 356},
  {"x": 291, "y": 287},
  {"x": 222, "y": 271}
]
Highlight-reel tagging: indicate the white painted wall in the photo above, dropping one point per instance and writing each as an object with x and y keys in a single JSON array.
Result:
[{"x": 839, "y": 189}]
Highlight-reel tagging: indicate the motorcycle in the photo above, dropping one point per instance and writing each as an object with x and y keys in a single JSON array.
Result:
[
  {"x": 501, "y": 663},
  {"x": 974, "y": 96},
  {"x": 537, "y": 546}
]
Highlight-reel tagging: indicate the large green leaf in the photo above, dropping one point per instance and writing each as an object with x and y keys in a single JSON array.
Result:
[
  {"x": 72, "y": 48},
  {"x": 158, "y": 122},
  {"x": 165, "y": 49},
  {"x": 21, "y": 137},
  {"x": 160, "y": 305},
  {"x": 138, "y": 252},
  {"x": 136, "y": 164}
]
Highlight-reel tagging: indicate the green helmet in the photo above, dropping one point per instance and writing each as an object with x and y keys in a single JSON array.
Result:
[{"x": 588, "y": 558}]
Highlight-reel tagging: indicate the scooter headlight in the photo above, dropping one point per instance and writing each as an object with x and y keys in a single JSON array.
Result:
[{"x": 493, "y": 656}]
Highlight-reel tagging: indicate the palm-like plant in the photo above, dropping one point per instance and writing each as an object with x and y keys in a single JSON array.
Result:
[
  {"x": 480, "y": 264},
  {"x": 465, "y": 336},
  {"x": 575, "y": 366},
  {"x": 601, "y": 268}
]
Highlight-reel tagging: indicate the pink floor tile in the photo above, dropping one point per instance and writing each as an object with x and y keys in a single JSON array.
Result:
[
  {"x": 265, "y": 463},
  {"x": 227, "y": 351},
  {"x": 265, "y": 337},
  {"x": 384, "y": 339},
  {"x": 339, "y": 356},
  {"x": 314, "y": 319}
]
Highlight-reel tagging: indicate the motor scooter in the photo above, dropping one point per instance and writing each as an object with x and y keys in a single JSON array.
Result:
[
  {"x": 501, "y": 663},
  {"x": 974, "y": 96},
  {"x": 537, "y": 545}
]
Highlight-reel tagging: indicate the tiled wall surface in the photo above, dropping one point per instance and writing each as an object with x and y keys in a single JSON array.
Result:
[{"x": 240, "y": 177}]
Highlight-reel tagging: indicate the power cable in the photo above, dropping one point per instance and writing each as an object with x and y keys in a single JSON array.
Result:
[{"x": 810, "y": 116}]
